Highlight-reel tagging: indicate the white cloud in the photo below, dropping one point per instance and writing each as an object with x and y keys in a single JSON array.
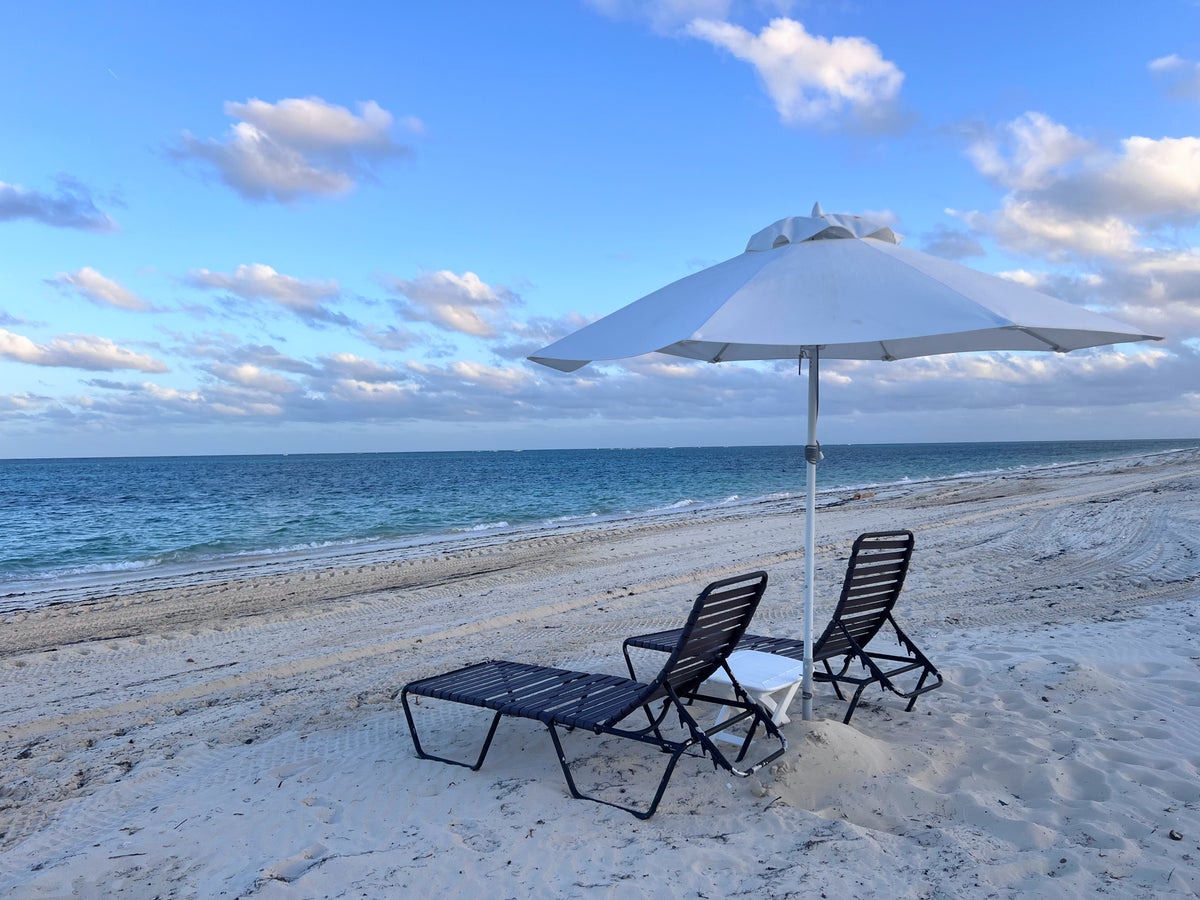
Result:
[
  {"x": 493, "y": 377},
  {"x": 314, "y": 125},
  {"x": 390, "y": 337},
  {"x": 76, "y": 352},
  {"x": 261, "y": 282},
  {"x": 1068, "y": 197},
  {"x": 1179, "y": 262},
  {"x": 1151, "y": 179},
  {"x": 298, "y": 147},
  {"x": 450, "y": 380},
  {"x": 251, "y": 376},
  {"x": 1023, "y": 277},
  {"x": 158, "y": 392},
  {"x": 261, "y": 355},
  {"x": 93, "y": 286},
  {"x": 1042, "y": 162},
  {"x": 1027, "y": 153},
  {"x": 462, "y": 303},
  {"x": 1182, "y": 76},
  {"x": 71, "y": 207},
  {"x": 1040, "y": 228},
  {"x": 1028, "y": 369},
  {"x": 1163, "y": 289},
  {"x": 371, "y": 392},
  {"x": 659, "y": 368},
  {"x": 811, "y": 79},
  {"x": 357, "y": 368},
  {"x": 23, "y": 402},
  {"x": 248, "y": 409}
]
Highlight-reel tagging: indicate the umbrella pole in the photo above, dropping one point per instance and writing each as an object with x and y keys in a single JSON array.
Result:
[{"x": 812, "y": 455}]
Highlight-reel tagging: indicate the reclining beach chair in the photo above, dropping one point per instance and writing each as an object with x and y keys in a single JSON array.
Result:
[
  {"x": 874, "y": 577},
  {"x": 602, "y": 703}
]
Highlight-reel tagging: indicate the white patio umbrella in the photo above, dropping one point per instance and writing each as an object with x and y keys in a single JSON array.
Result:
[{"x": 833, "y": 287}]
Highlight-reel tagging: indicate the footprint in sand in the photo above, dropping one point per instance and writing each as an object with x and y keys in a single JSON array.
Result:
[
  {"x": 328, "y": 812},
  {"x": 482, "y": 843},
  {"x": 292, "y": 868}
]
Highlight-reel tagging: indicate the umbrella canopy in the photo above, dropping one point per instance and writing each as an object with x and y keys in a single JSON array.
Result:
[
  {"x": 844, "y": 285},
  {"x": 838, "y": 287}
]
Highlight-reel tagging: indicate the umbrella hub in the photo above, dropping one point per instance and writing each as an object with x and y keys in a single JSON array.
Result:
[{"x": 818, "y": 227}]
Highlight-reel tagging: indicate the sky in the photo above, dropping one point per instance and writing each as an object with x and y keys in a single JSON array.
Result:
[{"x": 299, "y": 227}]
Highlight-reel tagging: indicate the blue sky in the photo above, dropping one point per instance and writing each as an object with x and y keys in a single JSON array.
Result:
[{"x": 282, "y": 227}]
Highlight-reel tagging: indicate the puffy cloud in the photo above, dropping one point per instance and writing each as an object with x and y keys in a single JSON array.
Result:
[
  {"x": 268, "y": 357},
  {"x": 1041, "y": 228},
  {"x": 93, "y": 286},
  {"x": 71, "y": 207},
  {"x": 251, "y": 376},
  {"x": 462, "y": 303},
  {"x": 390, "y": 337},
  {"x": 1024, "y": 277},
  {"x": 1028, "y": 369},
  {"x": 1000, "y": 383},
  {"x": 298, "y": 147},
  {"x": 1027, "y": 153},
  {"x": 529, "y": 335},
  {"x": 1161, "y": 288},
  {"x": 1068, "y": 197},
  {"x": 811, "y": 79},
  {"x": 353, "y": 391},
  {"x": 77, "y": 352},
  {"x": 1150, "y": 179},
  {"x": 503, "y": 379},
  {"x": 261, "y": 282},
  {"x": 314, "y": 125},
  {"x": 158, "y": 392},
  {"x": 1182, "y": 76},
  {"x": 226, "y": 348},
  {"x": 357, "y": 368},
  {"x": 23, "y": 402},
  {"x": 1145, "y": 179},
  {"x": 451, "y": 380}
]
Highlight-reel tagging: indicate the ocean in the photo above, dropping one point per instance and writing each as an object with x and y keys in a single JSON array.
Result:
[{"x": 71, "y": 526}]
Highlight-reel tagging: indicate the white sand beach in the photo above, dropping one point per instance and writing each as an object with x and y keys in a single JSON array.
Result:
[{"x": 246, "y": 739}]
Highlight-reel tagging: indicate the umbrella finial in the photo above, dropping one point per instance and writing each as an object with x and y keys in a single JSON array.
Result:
[{"x": 817, "y": 211}]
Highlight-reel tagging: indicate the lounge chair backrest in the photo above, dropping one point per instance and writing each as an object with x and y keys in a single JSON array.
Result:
[
  {"x": 874, "y": 576},
  {"x": 718, "y": 620}
]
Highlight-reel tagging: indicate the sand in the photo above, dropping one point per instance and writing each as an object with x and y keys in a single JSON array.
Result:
[{"x": 244, "y": 737}]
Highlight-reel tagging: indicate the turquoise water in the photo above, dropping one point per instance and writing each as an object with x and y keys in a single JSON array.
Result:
[{"x": 78, "y": 517}]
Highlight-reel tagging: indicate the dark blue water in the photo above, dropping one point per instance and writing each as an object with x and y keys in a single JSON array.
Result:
[{"x": 72, "y": 517}]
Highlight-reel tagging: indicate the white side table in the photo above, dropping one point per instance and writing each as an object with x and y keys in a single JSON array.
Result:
[{"x": 763, "y": 676}]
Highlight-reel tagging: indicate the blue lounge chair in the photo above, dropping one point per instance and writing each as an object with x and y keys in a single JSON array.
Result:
[
  {"x": 874, "y": 577},
  {"x": 602, "y": 704}
]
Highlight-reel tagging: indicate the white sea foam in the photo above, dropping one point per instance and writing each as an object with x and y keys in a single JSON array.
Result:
[{"x": 490, "y": 526}]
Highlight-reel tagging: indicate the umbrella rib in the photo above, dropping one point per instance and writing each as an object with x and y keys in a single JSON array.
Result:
[
  {"x": 1053, "y": 345},
  {"x": 719, "y": 354}
]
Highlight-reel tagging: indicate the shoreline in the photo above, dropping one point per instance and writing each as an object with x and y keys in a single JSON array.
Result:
[
  {"x": 27, "y": 594},
  {"x": 245, "y": 737}
]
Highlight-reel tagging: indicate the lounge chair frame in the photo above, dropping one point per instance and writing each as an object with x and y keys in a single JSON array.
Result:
[
  {"x": 561, "y": 698},
  {"x": 874, "y": 578}
]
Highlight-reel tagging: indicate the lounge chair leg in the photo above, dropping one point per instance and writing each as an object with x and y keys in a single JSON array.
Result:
[
  {"x": 579, "y": 795},
  {"x": 853, "y": 704},
  {"x": 917, "y": 691},
  {"x": 412, "y": 730},
  {"x": 749, "y": 739},
  {"x": 837, "y": 688}
]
